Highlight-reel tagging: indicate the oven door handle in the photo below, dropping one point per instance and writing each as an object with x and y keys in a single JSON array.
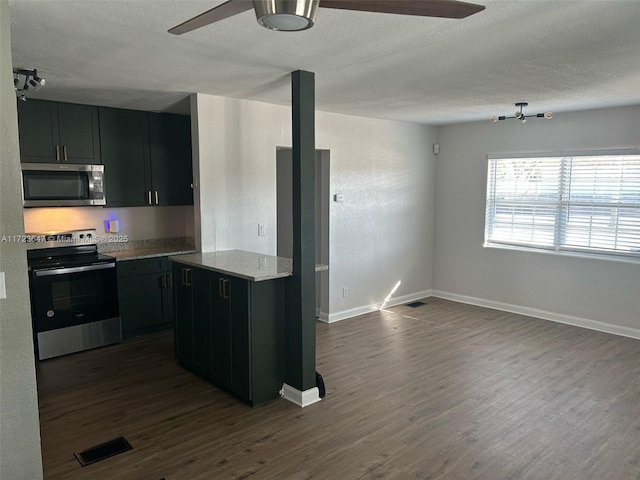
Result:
[{"x": 85, "y": 268}]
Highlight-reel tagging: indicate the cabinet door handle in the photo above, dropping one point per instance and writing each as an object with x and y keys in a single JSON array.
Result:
[
  {"x": 169, "y": 280},
  {"x": 64, "y": 153},
  {"x": 187, "y": 276},
  {"x": 149, "y": 197},
  {"x": 225, "y": 288},
  {"x": 156, "y": 192},
  {"x": 163, "y": 281},
  {"x": 220, "y": 283},
  {"x": 57, "y": 153}
]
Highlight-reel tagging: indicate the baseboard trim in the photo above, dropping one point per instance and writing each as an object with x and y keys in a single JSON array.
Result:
[
  {"x": 391, "y": 302},
  {"x": 543, "y": 314},
  {"x": 301, "y": 399},
  {"x": 323, "y": 317}
]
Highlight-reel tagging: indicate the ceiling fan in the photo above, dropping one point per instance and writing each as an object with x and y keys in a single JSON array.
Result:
[{"x": 295, "y": 15}]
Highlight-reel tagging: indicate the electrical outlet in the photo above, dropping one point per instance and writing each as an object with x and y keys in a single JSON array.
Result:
[
  {"x": 261, "y": 230},
  {"x": 345, "y": 292}
]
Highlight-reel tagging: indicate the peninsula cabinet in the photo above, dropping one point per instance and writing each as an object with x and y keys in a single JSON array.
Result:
[
  {"x": 145, "y": 295},
  {"x": 147, "y": 158},
  {"x": 54, "y": 132},
  {"x": 230, "y": 330}
]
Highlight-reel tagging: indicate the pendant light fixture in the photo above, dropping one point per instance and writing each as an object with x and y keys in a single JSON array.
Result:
[{"x": 519, "y": 115}]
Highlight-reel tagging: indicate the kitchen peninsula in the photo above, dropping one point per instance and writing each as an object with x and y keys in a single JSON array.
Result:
[{"x": 230, "y": 312}]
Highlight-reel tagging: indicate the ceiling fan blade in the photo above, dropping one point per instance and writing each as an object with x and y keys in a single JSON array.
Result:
[
  {"x": 425, "y": 8},
  {"x": 222, "y": 11}
]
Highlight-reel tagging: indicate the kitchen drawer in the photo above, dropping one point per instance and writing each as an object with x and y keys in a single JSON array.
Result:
[{"x": 142, "y": 266}]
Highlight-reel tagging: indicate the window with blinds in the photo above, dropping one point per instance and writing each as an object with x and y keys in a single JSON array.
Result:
[{"x": 584, "y": 203}]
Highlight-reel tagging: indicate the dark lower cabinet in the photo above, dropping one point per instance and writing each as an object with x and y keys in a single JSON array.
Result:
[
  {"x": 145, "y": 292},
  {"x": 231, "y": 331}
]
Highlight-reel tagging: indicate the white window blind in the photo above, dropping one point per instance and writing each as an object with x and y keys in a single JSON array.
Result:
[{"x": 574, "y": 203}]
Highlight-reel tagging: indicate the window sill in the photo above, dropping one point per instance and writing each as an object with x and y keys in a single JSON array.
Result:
[{"x": 565, "y": 253}]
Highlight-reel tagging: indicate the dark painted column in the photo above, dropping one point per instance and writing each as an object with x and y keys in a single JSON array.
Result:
[{"x": 300, "y": 325}]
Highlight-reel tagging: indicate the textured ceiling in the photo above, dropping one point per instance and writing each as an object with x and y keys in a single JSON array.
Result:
[{"x": 558, "y": 55}]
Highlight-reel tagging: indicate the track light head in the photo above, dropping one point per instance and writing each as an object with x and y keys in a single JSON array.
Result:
[{"x": 26, "y": 78}]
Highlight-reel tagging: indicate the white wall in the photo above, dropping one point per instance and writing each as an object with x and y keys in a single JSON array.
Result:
[
  {"x": 19, "y": 424},
  {"x": 138, "y": 223},
  {"x": 577, "y": 290},
  {"x": 380, "y": 235}
]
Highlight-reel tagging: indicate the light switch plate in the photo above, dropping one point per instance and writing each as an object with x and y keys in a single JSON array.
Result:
[{"x": 3, "y": 288}]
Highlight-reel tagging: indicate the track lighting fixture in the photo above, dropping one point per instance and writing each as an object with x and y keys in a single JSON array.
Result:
[
  {"x": 519, "y": 115},
  {"x": 22, "y": 79}
]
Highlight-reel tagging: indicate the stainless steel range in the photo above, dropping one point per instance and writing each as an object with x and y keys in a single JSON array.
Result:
[{"x": 74, "y": 294}]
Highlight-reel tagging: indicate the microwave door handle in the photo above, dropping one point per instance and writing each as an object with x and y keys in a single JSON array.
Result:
[{"x": 85, "y": 268}]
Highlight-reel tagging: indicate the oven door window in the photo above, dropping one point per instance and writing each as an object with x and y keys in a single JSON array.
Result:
[
  {"x": 55, "y": 185},
  {"x": 67, "y": 299}
]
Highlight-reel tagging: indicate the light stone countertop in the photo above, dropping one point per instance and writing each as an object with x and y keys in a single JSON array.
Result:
[{"x": 255, "y": 267}]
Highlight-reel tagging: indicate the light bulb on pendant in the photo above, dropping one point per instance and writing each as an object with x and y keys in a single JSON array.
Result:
[
  {"x": 548, "y": 115},
  {"x": 494, "y": 119}
]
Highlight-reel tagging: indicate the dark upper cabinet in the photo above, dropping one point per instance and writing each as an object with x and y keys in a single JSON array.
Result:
[
  {"x": 147, "y": 158},
  {"x": 52, "y": 132},
  {"x": 124, "y": 136},
  {"x": 171, "y": 169}
]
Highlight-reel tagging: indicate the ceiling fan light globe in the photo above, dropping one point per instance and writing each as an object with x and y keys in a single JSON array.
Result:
[
  {"x": 286, "y": 15},
  {"x": 284, "y": 22}
]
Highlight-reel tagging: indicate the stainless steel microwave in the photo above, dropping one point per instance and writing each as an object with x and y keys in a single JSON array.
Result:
[{"x": 53, "y": 185}]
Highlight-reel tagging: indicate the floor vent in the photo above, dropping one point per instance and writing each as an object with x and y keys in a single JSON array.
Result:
[
  {"x": 102, "y": 451},
  {"x": 415, "y": 304}
]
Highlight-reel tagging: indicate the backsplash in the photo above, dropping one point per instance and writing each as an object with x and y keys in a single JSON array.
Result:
[
  {"x": 177, "y": 243},
  {"x": 136, "y": 223}
]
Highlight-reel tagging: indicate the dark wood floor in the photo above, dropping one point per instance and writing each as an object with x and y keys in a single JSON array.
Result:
[{"x": 443, "y": 391}]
